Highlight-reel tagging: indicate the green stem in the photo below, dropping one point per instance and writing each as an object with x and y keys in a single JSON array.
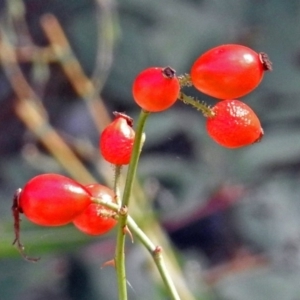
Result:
[
  {"x": 155, "y": 251},
  {"x": 137, "y": 147},
  {"x": 203, "y": 107},
  {"x": 117, "y": 182},
  {"x": 120, "y": 256},
  {"x": 122, "y": 223}
]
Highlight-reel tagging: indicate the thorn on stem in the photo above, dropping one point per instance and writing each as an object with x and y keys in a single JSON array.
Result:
[
  {"x": 126, "y": 230},
  {"x": 157, "y": 251},
  {"x": 109, "y": 263}
]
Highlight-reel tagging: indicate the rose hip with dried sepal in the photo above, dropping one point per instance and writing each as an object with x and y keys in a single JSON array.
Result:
[
  {"x": 53, "y": 199},
  {"x": 116, "y": 140},
  {"x": 229, "y": 71},
  {"x": 156, "y": 89},
  {"x": 48, "y": 200}
]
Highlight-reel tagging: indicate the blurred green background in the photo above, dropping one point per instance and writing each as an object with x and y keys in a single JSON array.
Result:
[{"x": 233, "y": 216}]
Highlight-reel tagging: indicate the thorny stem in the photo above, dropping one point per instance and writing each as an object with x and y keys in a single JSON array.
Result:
[
  {"x": 185, "y": 80},
  {"x": 158, "y": 258},
  {"x": 120, "y": 247},
  {"x": 201, "y": 106},
  {"x": 155, "y": 251}
]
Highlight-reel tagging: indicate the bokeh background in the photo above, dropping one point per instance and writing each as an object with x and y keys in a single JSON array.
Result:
[{"x": 232, "y": 217}]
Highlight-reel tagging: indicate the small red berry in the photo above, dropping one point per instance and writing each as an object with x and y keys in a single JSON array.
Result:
[
  {"x": 156, "y": 89},
  {"x": 116, "y": 140},
  {"x": 234, "y": 124},
  {"x": 229, "y": 71},
  {"x": 52, "y": 199},
  {"x": 97, "y": 219}
]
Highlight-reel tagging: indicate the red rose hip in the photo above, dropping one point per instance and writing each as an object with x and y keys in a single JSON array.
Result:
[
  {"x": 156, "y": 89},
  {"x": 116, "y": 140},
  {"x": 52, "y": 199},
  {"x": 97, "y": 219},
  {"x": 229, "y": 71},
  {"x": 234, "y": 124}
]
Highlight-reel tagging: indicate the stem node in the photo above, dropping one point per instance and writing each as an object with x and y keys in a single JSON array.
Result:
[{"x": 123, "y": 211}]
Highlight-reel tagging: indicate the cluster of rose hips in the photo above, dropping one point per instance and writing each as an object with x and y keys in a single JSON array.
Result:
[
  {"x": 56, "y": 200},
  {"x": 226, "y": 73}
]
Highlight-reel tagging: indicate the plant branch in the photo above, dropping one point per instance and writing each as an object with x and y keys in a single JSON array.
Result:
[
  {"x": 201, "y": 106},
  {"x": 120, "y": 247},
  {"x": 138, "y": 143},
  {"x": 155, "y": 251}
]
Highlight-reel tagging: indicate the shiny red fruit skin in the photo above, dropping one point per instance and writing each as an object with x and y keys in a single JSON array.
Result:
[
  {"x": 234, "y": 125},
  {"x": 96, "y": 219},
  {"x": 227, "y": 71},
  {"x": 116, "y": 142},
  {"x": 53, "y": 199},
  {"x": 156, "y": 89}
]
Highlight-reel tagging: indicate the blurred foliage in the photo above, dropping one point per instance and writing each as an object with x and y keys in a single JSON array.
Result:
[{"x": 215, "y": 203}]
